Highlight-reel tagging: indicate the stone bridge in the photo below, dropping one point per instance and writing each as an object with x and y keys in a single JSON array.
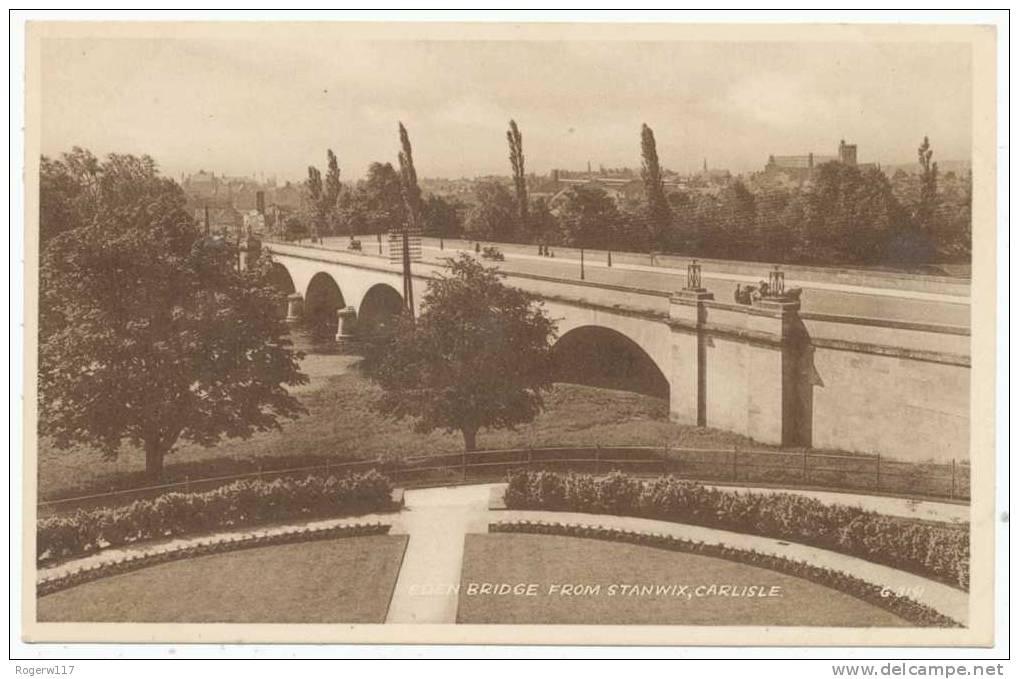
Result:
[{"x": 769, "y": 370}]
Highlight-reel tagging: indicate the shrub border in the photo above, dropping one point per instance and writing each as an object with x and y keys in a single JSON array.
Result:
[
  {"x": 538, "y": 498},
  {"x": 96, "y": 522},
  {"x": 228, "y": 543},
  {"x": 909, "y": 609}
]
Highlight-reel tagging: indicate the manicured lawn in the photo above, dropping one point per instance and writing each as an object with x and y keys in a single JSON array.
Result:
[
  {"x": 340, "y": 425},
  {"x": 545, "y": 561},
  {"x": 345, "y": 580}
]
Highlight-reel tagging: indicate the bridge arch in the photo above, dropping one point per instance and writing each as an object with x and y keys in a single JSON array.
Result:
[
  {"x": 380, "y": 303},
  {"x": 321, "y": 301},
  {"x": 599, "y": 356},
  {"x": 280, "y": 278}
]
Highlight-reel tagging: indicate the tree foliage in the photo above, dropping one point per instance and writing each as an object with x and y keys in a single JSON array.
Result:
[
  {"x": 376, "y": 205},
  {"x": 478, "y": 356},
  {"x": 927, "y": 205},
  {"x": 149, "y": 334},
  {"x": 516, "y": 146},
  {"x": 851, "y": 216},
  {"x": 587, "y": 217},
  {"x": 654, "y": 188},
  {"x": 322, "y": 195},
  {"x": 441, "y": 217},
  {"x": 409, "y": 188},
  {"x": 493, "y": 215}
]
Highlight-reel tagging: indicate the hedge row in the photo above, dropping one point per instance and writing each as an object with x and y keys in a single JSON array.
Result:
[
  {"x": 908, "y": 609},
  {"x": 241, "y": 503},
  {"x": 939, "y": 551},
  {"x": 233, "y": 543}
]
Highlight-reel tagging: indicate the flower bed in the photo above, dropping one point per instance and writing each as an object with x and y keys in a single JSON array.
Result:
[
  {"x": 242, "y": 503},
  {"x": 904, "y": 607},
  {"x": 143, "y": 560},
  {"x": 938, "y": 551}
]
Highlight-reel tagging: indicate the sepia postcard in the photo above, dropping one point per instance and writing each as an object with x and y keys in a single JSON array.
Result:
[{"x": 536, "y": 333}]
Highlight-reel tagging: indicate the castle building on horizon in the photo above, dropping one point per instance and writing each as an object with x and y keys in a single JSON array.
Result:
[{"x": 802, "y": 168}]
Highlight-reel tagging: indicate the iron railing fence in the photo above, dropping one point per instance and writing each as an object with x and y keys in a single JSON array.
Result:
[{"x": 800, "y": 469}]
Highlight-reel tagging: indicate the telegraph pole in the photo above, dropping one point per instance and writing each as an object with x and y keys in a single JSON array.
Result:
[
  {"x": 408, "y": 285},
  {"x": 412, "y": 200}
]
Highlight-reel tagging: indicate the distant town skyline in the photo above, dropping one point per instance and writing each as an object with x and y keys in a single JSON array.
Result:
[{"x": 273, "y": 105}]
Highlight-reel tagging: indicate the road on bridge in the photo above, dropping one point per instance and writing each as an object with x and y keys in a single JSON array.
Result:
[{"x": 882, "y": 302}]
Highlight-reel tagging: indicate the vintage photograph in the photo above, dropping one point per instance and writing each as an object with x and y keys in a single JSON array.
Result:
[{"x": 510, "y": 334}]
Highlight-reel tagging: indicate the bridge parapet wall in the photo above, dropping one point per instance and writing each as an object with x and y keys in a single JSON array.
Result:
[
  {"x": 899, "y": 389},
  {"x": 767, "y": 371},
  {"x": 862, "y": 385}
]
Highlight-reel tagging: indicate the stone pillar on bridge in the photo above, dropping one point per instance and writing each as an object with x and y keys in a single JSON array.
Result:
[
  {"x": 688, "y": 313},
  {"x": 295, "y": 307},
  {"x": 736, "y": 366},
  {"x": 772, "y": 366},
  {"x": 346, "y": 319}
]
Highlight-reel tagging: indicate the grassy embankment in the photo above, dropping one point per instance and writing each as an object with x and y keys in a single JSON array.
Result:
[{"x": 341, "y": 425}]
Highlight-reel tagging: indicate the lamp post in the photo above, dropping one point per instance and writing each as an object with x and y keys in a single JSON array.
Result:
[
  {"x": 776, "y": 282},
  {"x": 693, "y": 276},
  {"x": 581, "y": 263}
]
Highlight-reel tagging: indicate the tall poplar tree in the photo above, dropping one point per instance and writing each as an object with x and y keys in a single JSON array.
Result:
[
  {"x": 322, "y": 196},
  {"x": 412, "y": 199},
  {"x": 927, "y": 205},
  {"x": 409, "y": 180},
  {"x": 516, "y": 149},
  {"x": 658, "y": 212}
]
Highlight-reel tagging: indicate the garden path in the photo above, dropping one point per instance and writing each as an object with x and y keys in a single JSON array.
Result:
[{"x": 438, "y": 519}]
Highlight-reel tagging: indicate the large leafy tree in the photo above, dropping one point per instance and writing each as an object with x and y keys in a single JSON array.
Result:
[
  {"x": 149, "y": 334},
  {"x": 587, "y": 217},
  {"x": 492, "y": 215},
  {"x": 737, "y": 214},
  {"x": 441, "y": 217},
  {"x": 376, "y": 205},
  {"x": 851, "y": 215},
  {"x": 479, "y": 355}
]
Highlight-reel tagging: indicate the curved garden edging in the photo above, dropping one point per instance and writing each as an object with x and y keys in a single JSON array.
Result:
[
  {"x": 931, "y": 550},
  {"x": 949, "y": 601},
  {"x": 218, "y": 545},
  {"x": 902, "y": 606}
]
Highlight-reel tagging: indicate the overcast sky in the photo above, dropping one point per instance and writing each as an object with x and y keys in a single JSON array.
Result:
[{"x": 273, "y": 106}]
